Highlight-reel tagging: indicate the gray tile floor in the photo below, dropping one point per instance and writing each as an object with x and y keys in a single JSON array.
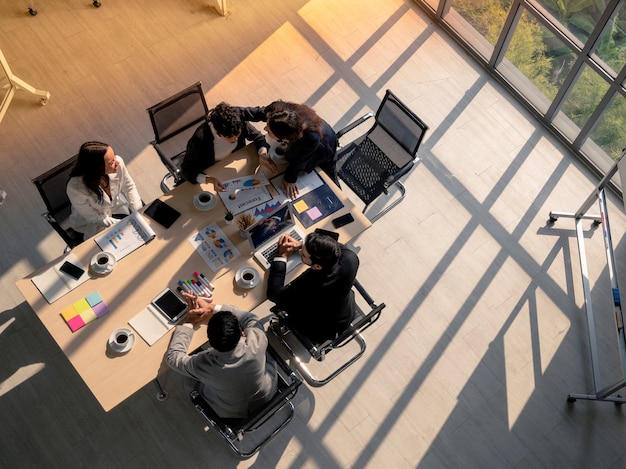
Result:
[{"x": 484, "y": 334}]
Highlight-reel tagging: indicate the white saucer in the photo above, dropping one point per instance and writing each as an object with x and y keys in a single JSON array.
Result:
[
  {"x": 255, "y": 280},
  {"x": 204, "y": 207},
  {"x": 102, "y": 270},
  {"x": 122, "y": 348}
]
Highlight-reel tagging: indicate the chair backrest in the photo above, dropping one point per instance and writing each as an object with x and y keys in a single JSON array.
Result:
[
  {"x": 52, "y": 187},
  {"x": 178, "y": 113},
  {"x": 173, "y": 121},
  {"x": 396, "y": 121}
]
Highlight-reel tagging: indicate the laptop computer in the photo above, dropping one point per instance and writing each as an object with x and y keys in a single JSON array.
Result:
[{"x": 265, "y": 233}]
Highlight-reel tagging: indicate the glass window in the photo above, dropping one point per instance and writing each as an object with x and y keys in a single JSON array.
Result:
[
  {"x": 611, "y": 47},
  {"x": 610, "y": 132},
  {"x": 486, "y": 16},
  {"x": 581, "y": 102},
  {"x": 540, "y": 57},
  {"x": 578, "y": 16}
]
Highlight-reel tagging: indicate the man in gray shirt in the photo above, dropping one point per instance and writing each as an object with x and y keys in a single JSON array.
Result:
[{"x": 234, "y": 374}]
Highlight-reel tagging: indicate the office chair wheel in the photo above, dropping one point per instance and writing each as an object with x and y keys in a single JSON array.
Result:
[
  {"x": 571, "y": 399},
  {"x": 32, "y": 12},
  {"x": 97, "y": 4}
]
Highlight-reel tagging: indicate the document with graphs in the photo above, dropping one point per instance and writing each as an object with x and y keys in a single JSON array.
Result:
[{"x": 125, "y": 236}]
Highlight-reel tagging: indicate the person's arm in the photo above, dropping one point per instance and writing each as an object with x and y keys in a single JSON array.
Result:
[
  {"x": 128, "y": 185},
  {"x": 84, "y": 202},
  {"x": 253, "y": 114},
  {"x": 300, "y": 154}
]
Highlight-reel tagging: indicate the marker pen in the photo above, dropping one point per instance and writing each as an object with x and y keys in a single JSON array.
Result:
[
  {"x": 184, "y": 286},
  {"x": 206, "y": 281},
  {"x": 204, "y": 289}
]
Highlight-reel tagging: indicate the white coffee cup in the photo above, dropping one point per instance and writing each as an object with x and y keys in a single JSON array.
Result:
[
  {"x": 204, "y": 199},
  {"x": 247, "y": 276},
  {"x": 103, "y": 262}
]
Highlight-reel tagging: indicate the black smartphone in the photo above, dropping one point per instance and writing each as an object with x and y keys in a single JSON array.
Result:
[
  {"x": 72, "y": 270},
  {"x": 342, "y": 220}
]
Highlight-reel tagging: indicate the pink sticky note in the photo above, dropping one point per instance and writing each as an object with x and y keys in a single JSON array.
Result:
[
  {"x": 76, "y": 323},
  {"x": 314, "y": 213}
]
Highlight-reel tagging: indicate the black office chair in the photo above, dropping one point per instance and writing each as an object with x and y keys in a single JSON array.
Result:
[
  {"x": 302, "y": 349},
  {"x": 52, "y": 188},
  {"x": 374, "y": 162},
  {"x": 246, "y": 436},
  {"x": 174, "y": 120}
]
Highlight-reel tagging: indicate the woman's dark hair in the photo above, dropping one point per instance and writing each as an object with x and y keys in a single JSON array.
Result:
[
  {"x": 224, "y": 331},
  {"x": 289, "y": 121},
  {"x": 90, "y": 165},
  {"x": 323, "y": 249},
  {"x": 226, "y": 120}
]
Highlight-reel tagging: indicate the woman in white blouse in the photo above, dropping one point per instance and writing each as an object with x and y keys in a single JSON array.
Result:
[{"x": 100, "y": 189}]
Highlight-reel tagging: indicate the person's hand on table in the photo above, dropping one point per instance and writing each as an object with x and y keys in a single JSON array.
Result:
[
  {"x": 291, "y": 189},
  {"x": 217, "y": 184},
  {"x": 288, "y": 245},
  {"x": 266, "y": 162},
  {"x": 199, "y": 310}
]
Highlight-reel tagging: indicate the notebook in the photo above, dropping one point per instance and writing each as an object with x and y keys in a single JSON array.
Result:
[{"x": 264, "y": 235}]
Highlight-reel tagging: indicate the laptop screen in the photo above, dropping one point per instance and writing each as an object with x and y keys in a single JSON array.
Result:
[{"x": 273, "y": 223}]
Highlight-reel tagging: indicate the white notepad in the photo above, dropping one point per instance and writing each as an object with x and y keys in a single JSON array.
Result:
[
  {"x": 53, "y": 283},
  {"x": 150, "y": 324}
]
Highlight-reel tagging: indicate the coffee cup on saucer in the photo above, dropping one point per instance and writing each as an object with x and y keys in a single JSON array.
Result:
[
  {"x": 204, "y": 200},
  {"x": 122, "y": 340},
  {"x": 247, "y": 277},
  {"x": 103, "y": 262}
]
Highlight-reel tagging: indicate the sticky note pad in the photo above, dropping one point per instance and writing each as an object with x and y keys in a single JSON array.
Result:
[
  {"x": 88, "y": 315},
  {"x": 68, "y": 313},
  {"x": 93, "y": 299},
  {"x": 300, "y": 206},
  {"x": 81, "y": 305},
  {"x": 314, "y": 213},
  {"x": 100, "y": 309},
  {"x": 76, "y": 323}
]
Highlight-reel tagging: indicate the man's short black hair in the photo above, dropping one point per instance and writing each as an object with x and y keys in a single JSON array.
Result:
[
  {"x": 226, "y": 120},
  {"x": 323, "y": 249},
  {"x": 224, "y": 331}
]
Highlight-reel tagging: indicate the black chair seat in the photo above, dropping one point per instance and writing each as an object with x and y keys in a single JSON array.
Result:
[{"x": 374, "y": 162}]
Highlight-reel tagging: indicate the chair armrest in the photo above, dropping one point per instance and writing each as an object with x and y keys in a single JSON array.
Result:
[{"x": 354, "y": 125}]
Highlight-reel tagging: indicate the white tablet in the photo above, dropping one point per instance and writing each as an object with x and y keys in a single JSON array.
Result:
[{"x": 170, "y": 305}]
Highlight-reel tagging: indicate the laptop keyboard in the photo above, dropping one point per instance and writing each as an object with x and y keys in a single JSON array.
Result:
[{"x": 271, "y": 252}]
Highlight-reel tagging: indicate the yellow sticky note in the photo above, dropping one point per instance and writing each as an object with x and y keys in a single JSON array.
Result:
[
  {"x": 88, "y": 315},
  {"x": 300, "y": 206},
  {"x": 68, "y": 313},
  {"x": 81, "y": 305}
]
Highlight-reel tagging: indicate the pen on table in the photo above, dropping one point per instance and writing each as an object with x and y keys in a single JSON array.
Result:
[
  {"x": 205, "y": 290},
  {"x": 205, "y": 280},
  {"x": 185, "y": 287},
  {"x": 193, "y": 287}
]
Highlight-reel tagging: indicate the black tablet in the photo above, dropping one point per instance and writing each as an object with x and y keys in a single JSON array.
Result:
[
  {"x": 170, "y": 305},
  {"x": 162, "y": 213}
]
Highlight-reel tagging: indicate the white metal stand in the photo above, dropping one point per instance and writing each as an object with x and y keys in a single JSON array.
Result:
[
  {"x": 600, "y": 393},
  {"x": 14, "y": 84}
]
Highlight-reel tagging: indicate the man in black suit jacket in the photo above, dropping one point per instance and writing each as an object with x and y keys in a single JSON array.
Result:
[
  {"x": 320, "y": 302},
  {"x": 225, "y": 132}
]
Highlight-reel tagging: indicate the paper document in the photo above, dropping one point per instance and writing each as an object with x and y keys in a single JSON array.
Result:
[{"x": 126, "y": 235}]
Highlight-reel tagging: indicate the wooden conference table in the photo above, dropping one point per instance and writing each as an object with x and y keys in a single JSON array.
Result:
[{"x": 141, "y": 275}]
